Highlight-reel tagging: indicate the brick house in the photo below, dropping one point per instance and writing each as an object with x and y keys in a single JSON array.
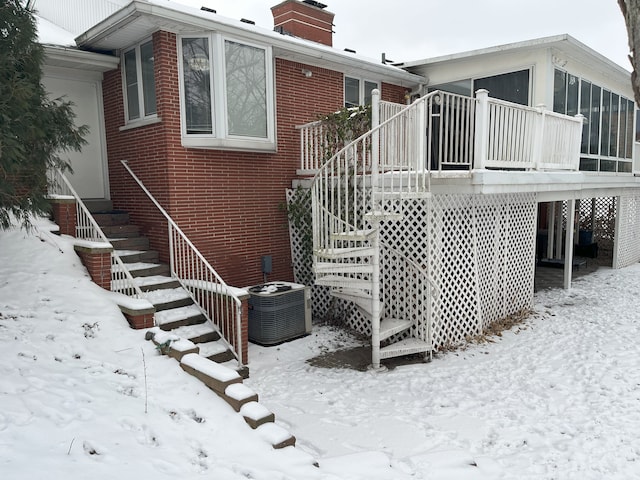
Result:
[{"x": 426, "y": 230}]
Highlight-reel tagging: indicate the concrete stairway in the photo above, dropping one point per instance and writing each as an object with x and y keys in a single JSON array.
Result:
[{"x": 175, "y": 309}]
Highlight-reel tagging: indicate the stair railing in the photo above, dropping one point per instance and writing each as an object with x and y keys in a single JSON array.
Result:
[
  {"x": 218, "y": 301},
  {"x": 88, "y": 229}
]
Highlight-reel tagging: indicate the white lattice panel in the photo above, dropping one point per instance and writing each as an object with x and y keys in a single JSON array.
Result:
[
  {"x": 482, "y": 259},
  {"x": 479, "y": 250},
  {"x": 627, "y": 247}
]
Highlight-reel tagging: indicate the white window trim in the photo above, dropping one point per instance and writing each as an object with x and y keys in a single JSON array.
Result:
[
  {"x": 220, "y": 138},
  {"x": 361, "y": 84},
  {"x": 143, "y": 119}
]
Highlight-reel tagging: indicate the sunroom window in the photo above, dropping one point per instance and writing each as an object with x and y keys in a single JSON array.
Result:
[
  {"x": 358, "y": 91},
  {"x": 139, "y": 81},
  {"x": 226, "y": 94}
]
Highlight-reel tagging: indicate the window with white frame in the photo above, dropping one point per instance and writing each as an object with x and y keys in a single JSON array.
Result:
[
  {"x": 226, "y": 93},
  {"x": 139, "y": 82},
  {"x": 358, "y": 91}
]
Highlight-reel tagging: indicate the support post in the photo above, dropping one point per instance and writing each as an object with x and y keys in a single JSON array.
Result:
[
  {"x": 616, "y": 234},
  {"x": 536, "y": 155},
  {"x": 568, "y": 243},
  {"x": 551, "y": 230},
  {"x": 375, "y": 299},
  {"x": 558, "y": 254},
  {"x": 481, "y": 141}
]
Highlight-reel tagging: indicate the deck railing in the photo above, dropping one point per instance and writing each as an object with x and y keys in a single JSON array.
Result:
[
  {"x": 464, "y": 133},
  {"x": 314, "y": 148},
  {"x": 218, "y": 301},
  {"x": 512, "y": 136},
  {"x": 88, "y": 229}
]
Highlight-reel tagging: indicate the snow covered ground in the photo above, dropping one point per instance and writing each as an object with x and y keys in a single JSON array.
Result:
[{"x": 558, "y": 398}]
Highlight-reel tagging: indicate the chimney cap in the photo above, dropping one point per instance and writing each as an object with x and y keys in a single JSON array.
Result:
[{"x": 313, "y": 3}]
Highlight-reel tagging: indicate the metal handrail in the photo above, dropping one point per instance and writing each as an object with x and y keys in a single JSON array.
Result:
[
  {"x": 88, "y": 229},
  {"x": 199, "y": 278}
]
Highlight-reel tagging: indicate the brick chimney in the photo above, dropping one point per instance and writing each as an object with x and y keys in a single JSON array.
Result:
[{"x": 306, "y": 19}]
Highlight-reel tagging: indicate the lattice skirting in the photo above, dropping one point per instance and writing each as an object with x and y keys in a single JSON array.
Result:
[
  {"x": 627, "y": 247},
  {"x": 482, "y": 251},
  {"x": 479, "y": 250}
]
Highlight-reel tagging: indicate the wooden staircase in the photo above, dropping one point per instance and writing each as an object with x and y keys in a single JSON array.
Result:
[{"x": 176, "y": 312}]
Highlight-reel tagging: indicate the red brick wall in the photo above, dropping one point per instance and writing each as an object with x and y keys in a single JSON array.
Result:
[{"x": 228, "y": 203}]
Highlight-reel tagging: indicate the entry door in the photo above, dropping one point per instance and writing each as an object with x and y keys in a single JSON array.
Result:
[{"x": 89, "y": 178}]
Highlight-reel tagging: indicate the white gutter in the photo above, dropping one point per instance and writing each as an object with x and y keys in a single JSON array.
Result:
[{"x": 194, "y": 21}]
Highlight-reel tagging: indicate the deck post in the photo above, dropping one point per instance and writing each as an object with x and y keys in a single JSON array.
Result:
[
  {"x": 551, "y": 230},
  {"x": 375, "y": 299},
  {"x": 568, "y": 243},
  {"x": 482, "y": 129},
  {"x": 558, "y": 238},
  {"x": 538, "y": 137}
]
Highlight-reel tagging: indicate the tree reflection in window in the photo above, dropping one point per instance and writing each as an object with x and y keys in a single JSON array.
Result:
[
  {"x": 196, "y": 67},
  {"x": 246, "y": 82}
]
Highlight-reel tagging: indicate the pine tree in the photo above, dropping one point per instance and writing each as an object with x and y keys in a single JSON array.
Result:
[{"x": 34, "y": 130}]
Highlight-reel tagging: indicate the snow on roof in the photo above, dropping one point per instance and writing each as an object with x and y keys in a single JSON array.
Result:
[{"x": 51, "y": 34}]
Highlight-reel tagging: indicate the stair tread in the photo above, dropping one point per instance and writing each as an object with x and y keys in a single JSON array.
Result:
[
  {"x": 405, "y": 347},
  {"x": 345, "y": 252},
  {"x": 354, "y": 234},
  {"x": 343, "y": 281},
  {"x": 192, "y": 331},
  {"x": 139, "y": 266},
  {"x": 351, "y": 292},
  {"x": 167, "y": 295},
  {"x": 153, "y": 280},
  {"x": 333, "y": 267},
  {"x": 391, "y": 326},
  {"x": 208, "y": 349},
  {"x": 175, "y": 314}
]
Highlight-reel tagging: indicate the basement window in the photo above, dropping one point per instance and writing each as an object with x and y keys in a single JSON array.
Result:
[
  {"x": 226, "y": 94},
  {"x": 139, "y": 83}
]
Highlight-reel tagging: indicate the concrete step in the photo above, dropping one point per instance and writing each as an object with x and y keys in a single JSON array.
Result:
[
  {"x": 179, "y": 317},
  {"x": 404, "y": 347},
  {"x": 121, "y": 231},
  {"x": 215, "y": 376},
  {"x": 256, "y": 414},
  {"x": 216, "y": 351},
  {"x": 129, "y": 243},
  {"x": 135, "y": 256},
  {"x": 156, "y": 282},
  {"x": 170, "y": 298},
  {"x": 114, "y": 217},
  {"x": 238, "y": 395},
  {"x": 200, "y": 333},
  {"x": 144, "y": 269},
  {"x": 96, "y": 205},
  {"x": 277, "y": 436}
]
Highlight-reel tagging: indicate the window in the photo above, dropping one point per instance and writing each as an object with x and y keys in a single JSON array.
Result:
[
  {"x": 139, "y": 82},
  {"x": 358, "y": 92},
  {"x": 226, "y": 94},
  {"x": 607, "y": 133},
  {"x": 511, "y": 87}
]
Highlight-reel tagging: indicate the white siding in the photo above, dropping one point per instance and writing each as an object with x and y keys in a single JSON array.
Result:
[{"x": 77, "y": 16}]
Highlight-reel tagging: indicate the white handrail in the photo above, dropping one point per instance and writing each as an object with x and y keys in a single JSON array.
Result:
[
  {"x": 88, "y": 229},
  {"x": 217, "y": 300}
]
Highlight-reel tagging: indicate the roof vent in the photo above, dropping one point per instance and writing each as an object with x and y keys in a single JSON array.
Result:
[
  {"x": 250, "y": 22},
  {"x": 313, "y": 3},
  {"x": 207, "y": 9}
]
